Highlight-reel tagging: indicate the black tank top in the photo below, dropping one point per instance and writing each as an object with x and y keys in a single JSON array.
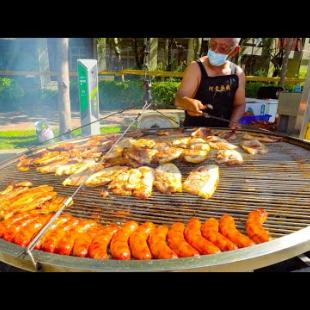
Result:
[{"x": 219, "y": 91}]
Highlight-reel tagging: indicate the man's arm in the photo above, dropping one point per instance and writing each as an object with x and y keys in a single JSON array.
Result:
[
  {"x": 187, "y": 90},
  {"x": 239, "y": 101}
]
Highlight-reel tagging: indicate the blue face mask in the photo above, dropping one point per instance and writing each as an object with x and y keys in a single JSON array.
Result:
[{"x": 216, "y": 59}]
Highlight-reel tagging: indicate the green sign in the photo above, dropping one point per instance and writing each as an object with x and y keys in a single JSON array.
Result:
[{"x": 83, "y": 89}]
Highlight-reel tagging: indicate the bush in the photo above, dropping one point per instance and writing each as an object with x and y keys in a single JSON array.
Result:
[
  {"x": 164, "y": 94},
  {"x": 251, "y": 88},
  {"x": 10, "y": 93},
  {"x": 118, "y": 94}
]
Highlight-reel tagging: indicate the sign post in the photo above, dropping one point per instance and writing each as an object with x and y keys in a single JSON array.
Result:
[{"x": 87, "y": 71}]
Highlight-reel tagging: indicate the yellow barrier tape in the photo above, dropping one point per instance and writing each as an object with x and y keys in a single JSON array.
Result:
[{"x": 148, "y": 73}]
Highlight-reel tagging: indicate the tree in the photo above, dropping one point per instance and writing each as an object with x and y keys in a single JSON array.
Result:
[
  {"x": 153, "y": 42},
  {"x": 193, "y": 49},
  {"x": 288, "y": 49},
  {"x": 64, "y": 108},
  {"x": 101, "y": 52}
]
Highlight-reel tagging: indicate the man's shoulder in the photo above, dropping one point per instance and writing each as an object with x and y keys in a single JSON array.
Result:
[{"x": 238, "y": 69}]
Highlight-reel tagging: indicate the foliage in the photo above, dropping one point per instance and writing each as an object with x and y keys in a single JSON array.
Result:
[
  {"x": 164, "y": 94},
  {"x": 118, "y": 94},
  {"x": 10, "y": 93}
]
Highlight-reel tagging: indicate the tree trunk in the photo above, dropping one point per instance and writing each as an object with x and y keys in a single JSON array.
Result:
[
  {"x": 198, "y": 48},
  {"x": 266, "y": 54},
  {"x": 285, "y": 61},
  {"x": 153, "y": 54},
  {"x": 190, "y": 51},
  {"x": 138, "y": 54},
  {"x": 170, "y": 45},
  {"x": 298, "y": 57},
  {"x": 64, "y": 107},
  {"x": 102, "y": 51}
]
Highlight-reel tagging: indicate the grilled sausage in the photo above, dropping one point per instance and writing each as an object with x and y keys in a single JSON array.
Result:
[
  {"x": 193, "y": 236},
  {"x": 24, "y": 236},
  {"x": 59, "y": 222},
  {"x": 210, "y": 230},
  {"x": 119, "y": 245},
  {"x": 177, "y": 243},
  {"x": 50, "y": 243},
  {"x": 65, "y": 244},
  {"x": 10, "y": 233},
  {"x": 138, "y": 241},
  {"x": 98, "y": 249},
  {"x": 5, "y": 225},
  {"x": 254, "y": 226},
  {"x": 158, "y": 245},
  {"x": 83, "y": 242},
  {"x": 229, "y": 230}
]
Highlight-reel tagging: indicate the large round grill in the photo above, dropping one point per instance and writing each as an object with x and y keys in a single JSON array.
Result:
[{"x": 278, "y": 182}]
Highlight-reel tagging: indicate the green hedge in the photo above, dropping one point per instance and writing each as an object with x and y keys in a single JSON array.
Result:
[{"x": 112, "y": 94}]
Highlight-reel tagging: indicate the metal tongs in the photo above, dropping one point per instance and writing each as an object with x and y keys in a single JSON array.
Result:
[{"x": 233, "y": 131}]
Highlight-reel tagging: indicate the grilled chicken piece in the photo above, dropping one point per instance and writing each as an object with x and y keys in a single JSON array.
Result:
[
  {"x": 202, "y": 181},
  {"x": 23, "y": 184},
  {"x": 78, "y": 167},
  {"x": 50, "y": 157},
  {"x": 63, "y": 146},
  {"x": 183, "y": 142},
  {"x": 76, "y": 179},
  {"x": 142, "y": 143},
  {"x": 166, "y": 153},
  {"x": 24, "y": 163},
  {"x": 197, "y": 152},
  {"x": 141, "y": 155},
  {"x": 104, "y": 176},
  {"x": 136, "y": 182},
  {"x": 220, "y": 144},
  {"x": 50, "y": 168},
  {"x": 168, "y": 178},
  {"x": 195, "y": 156},
  {"x": 254, "y": 147},
  {"x": 229, "y": 157},
  {"x": 116, "y": 151},
  {"x": 196, "y": 140},
  {"x": 202, "y": 132},
  {"x": 168, "y": 132},
  {"x": 261, "y": 138}
]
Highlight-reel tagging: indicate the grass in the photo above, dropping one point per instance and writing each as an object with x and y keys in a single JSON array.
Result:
[{"x": 15, "y": 139}]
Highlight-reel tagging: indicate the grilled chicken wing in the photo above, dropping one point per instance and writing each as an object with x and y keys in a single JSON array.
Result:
[{"x": 202, "y": 181}]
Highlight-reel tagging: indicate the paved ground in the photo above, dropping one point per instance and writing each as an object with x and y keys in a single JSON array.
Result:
[{"x": 24, "y": 120}]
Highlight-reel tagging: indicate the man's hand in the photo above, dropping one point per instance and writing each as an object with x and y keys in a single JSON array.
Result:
[{"x": 193, "y": 107}]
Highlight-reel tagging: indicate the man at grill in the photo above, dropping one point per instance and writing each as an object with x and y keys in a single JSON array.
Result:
[{"x": 214, "y": 85}]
